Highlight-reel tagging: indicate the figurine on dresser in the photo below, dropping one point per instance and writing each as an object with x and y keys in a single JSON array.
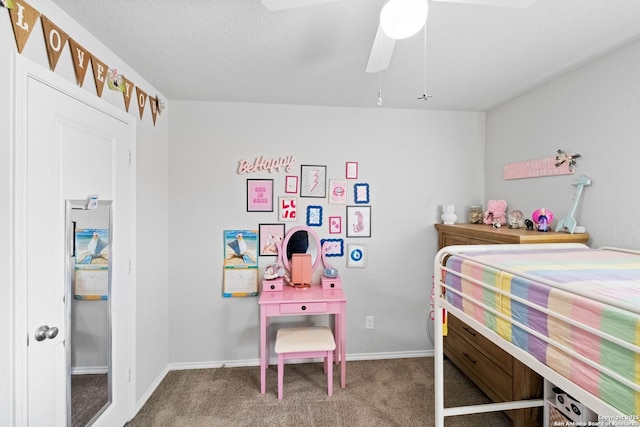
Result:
[{"x": 449, "y": 214}]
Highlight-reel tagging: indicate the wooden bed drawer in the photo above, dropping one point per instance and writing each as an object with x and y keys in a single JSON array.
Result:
[
  {"x": 497, "y": 355},
  {"x": 303, "y": 308},
  {"x": 476, "y": 365}
]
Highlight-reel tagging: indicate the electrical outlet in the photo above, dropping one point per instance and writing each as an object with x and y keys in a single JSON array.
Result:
[{"x": 368, "y": 322}]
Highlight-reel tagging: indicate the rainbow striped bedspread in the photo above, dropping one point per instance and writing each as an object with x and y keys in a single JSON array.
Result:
[{"x": 601, "y": 277}]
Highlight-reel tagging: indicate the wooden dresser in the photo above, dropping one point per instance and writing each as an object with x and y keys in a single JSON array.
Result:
[{"x": 501, "y": 376}]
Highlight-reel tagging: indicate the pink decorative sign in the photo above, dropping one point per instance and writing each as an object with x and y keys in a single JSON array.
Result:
[{"x": 535, "y": 169}]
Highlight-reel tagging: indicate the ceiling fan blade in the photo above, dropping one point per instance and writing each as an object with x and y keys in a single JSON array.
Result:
[
  {"x": 499, "y": 3},
  {"x": 381, "y": 52},
  {"x": 275, "y": 5}
]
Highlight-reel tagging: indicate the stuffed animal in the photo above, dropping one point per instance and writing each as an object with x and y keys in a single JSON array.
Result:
[{"x": 496, "y": 212}]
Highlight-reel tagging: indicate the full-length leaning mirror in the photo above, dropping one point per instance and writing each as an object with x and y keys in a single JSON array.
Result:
[{"x": 88, "y": 299}]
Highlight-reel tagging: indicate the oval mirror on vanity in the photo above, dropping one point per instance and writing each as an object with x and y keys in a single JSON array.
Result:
[{"x": 301, "y": 240}]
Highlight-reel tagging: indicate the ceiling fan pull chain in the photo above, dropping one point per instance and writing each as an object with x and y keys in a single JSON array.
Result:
[
  {"x": 424, "y": 96},
  {"x": 379, "y": 70}
]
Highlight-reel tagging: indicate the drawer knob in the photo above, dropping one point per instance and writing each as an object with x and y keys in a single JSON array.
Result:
[
  {"x": 333, "y": 285},
  {"x": 304, "y": 307},
  {"x": 469, "y": 357},
  {"x": 466, "y": 328},
  {"x": 273, "y": 286}
]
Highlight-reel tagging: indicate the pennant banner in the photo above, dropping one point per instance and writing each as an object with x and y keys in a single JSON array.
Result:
[
  {"x": 153, "y": 103},
  {"x": 141, "y": 96},
  {"x": 80, "y": 58},
  {"x": 128, "y": 87},
  {"x": 54, "y": 40},
  {"x": 100, "y": 70},
  {"x": 23, "y": 17}
]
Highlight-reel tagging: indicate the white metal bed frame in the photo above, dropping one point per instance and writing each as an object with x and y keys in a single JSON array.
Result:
[{"x": 613, "y": 415}]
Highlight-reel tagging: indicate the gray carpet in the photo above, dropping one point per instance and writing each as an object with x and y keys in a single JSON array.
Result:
[
  {"x": 395, "y": 392},
  {"x": 89, "y": 393}
]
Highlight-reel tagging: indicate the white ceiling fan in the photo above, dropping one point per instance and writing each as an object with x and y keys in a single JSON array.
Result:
[{"x": 383, "y": 44}]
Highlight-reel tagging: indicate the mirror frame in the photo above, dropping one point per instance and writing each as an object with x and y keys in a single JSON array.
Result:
[
  {"x": 70, "y": 205},
  {"x": 285, "y": 242}
]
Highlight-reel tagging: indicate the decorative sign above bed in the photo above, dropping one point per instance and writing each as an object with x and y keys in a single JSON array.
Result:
[
  {"x": 535, "y": 168},
  {"x": 265, "y": 164}
]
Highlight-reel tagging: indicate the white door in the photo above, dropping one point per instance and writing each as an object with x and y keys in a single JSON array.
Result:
[{"x": 69, "y": 145}]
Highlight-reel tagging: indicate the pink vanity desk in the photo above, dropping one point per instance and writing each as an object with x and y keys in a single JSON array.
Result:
[{"x": 295, "y": 302}]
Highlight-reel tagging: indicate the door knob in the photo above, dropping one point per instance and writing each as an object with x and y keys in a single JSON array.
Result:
[
  {"x": 52, "y": 332},
  {"x": 44, "y": 332}
]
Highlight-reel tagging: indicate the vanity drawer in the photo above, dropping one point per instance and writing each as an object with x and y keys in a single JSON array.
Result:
[
  {"x": 497, "y": 355},
  {"x": 331, "y": 283},
  {"x": 303, "y": 308},
  {"x": 274, "y": 285}
]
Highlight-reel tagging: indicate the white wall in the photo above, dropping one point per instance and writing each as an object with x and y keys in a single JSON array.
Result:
[
  {"x": 413, "y": 161},
  {"x": 593, "y": 111},
  {"x": 5, "y": 220},
  {"x": 152, "y": 142}
]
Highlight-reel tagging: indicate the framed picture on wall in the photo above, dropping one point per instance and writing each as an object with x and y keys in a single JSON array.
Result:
[
  {"x": 259, "y": 195},
  {"x": 358, "y": 221},
  {"x": 335, "y": 224},
  {"x": 361, "y": 193},
  {"x": 313, "y": 181},
  {"x": 314, "y": 216},
  {"x": 270, "y": 237},
  {"x": 352, "y": 170},
  {"x": 288, "y": 209},
  {"x": 356, "y": 255},
  {"x": 332, "y": 247},
  {"x": 291, "y": 184},
  {"x": 338, "y": 192}
]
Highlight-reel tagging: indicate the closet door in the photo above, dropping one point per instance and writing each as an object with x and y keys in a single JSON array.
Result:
[{"x": 69, "y": 145}]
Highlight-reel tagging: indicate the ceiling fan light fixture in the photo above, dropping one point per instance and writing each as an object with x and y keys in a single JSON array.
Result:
[{"x": 401, "y": 19}]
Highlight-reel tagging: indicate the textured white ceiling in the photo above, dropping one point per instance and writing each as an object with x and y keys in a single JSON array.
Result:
[{"x": 236, "y": 50}]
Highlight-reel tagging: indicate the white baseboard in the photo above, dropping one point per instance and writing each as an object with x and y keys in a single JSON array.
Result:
[
  {"x": 273, "y": 361},
  {"x": 391, "y": 355},
  {"x": 89, "y": 370},
  {"x": 147, "y": 394}
]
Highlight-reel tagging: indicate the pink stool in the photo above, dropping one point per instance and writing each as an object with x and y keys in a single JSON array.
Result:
[{"x": 305, "y": 342}]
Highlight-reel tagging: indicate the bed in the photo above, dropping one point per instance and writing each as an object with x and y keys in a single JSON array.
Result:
[{"x": 569, "y": 312}]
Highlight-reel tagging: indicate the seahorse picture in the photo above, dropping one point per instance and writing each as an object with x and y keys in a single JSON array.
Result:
[{"x": 359, "y": 225}]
